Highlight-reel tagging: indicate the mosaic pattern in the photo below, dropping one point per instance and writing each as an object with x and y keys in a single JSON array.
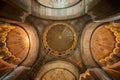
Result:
[
  {"x": 108, "y": 52},
  {"x": 14, "y": 47},
  {"x": 59, "y": 39}
]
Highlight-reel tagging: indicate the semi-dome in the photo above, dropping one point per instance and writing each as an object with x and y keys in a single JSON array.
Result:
[
  {"x": 14, "y": 46},
  {"x": 58, "y": 3}
]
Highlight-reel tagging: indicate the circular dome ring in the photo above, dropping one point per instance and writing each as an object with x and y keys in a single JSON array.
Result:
[
  {"x": 58, "y": 4},
  {"x": 59, "y": 39}
]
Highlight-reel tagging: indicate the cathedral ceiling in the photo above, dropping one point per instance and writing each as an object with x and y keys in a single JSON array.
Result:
[{"x": 63, "y": 53}]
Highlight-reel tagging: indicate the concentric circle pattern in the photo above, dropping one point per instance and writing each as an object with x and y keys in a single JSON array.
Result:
[{"x": 59, "y": 39}]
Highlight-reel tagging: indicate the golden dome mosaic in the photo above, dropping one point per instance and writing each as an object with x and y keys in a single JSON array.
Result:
[
  {"x": 107, "y": 44},
  {"x": 14, "y": 47},
  {"x": 14, "y": 43},
  {"x": 59, "y": 39}
]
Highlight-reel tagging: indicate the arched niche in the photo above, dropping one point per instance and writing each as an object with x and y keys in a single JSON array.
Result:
[
  {"x": 57, "y": 11},
  {"x": 92, "y": 66},
  {"x": 99, "y": 47},
  {"x": 54, "y": 69},
  {"x": 23, "y": 42}
]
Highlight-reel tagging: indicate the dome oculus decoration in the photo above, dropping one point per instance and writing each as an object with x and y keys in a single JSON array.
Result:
[
  {"x": 58, "y": 3},
  {"x": 59, "y": 39}
]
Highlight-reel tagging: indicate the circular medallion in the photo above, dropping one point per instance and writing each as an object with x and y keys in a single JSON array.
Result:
[
  {"x": 59, "y": 39},
  {"x": 58, "y": 3}
]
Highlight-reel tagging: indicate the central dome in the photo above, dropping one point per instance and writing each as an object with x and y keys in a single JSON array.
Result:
[
  {"x": 58, "y": 3},
  {"x": 60, "y": 38}
]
